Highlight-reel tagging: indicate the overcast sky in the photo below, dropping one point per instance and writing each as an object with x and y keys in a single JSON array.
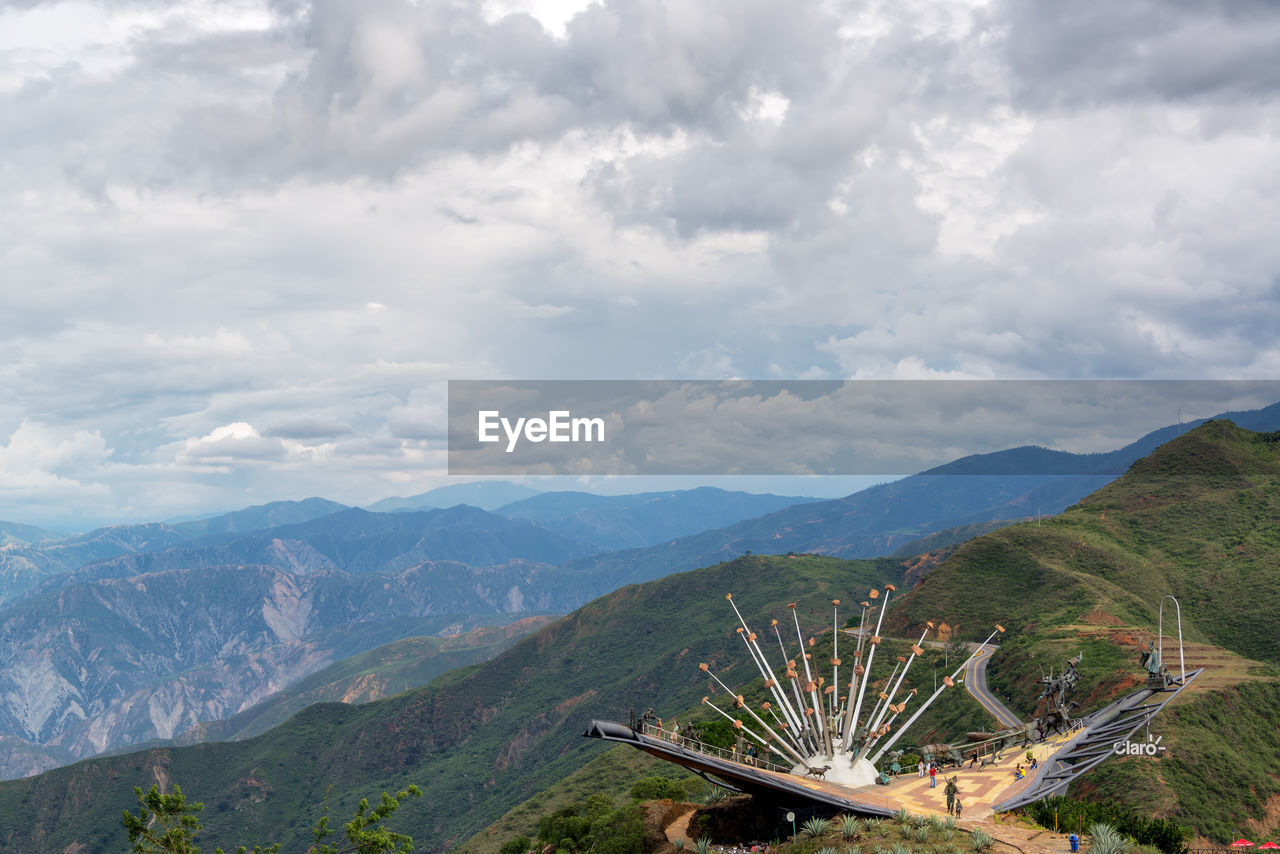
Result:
[{"x": 245, "y": 244}]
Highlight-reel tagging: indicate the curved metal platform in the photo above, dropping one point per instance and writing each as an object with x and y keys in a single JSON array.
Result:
[
  {"x": 1103, "y": 730},
  {"x": 1064, "y": 759},
  {"x": 746, "y": 778}
]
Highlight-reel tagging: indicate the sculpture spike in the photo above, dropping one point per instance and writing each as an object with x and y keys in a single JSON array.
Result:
[
  {"x": 853, "y": 680},
  {"x": 762, "y": 663},
  {"x": 808, "y": 676},
  {"x": 940, "y": 689},
  {"x": 764, "y": 742},
  {"x": 884, "y": 606},
  {"x": 916, "y": 649}
]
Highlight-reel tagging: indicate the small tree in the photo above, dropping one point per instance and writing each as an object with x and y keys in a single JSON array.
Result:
[
  {"x": 167, "y": 824},
  {"x": 363, "y": 834}
]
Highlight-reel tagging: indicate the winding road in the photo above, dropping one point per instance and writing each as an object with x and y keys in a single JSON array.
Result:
[{"x": 975, "y": 682}]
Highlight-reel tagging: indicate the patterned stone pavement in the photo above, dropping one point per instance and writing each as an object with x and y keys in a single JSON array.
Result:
[{"x": 979, "y": 787}]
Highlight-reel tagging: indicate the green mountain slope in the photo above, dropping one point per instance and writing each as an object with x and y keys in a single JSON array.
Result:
[
  {"x": 477, "y": 740},
  {"x": 372, "y": 675},
  {"x": 1199, "y": 519}
]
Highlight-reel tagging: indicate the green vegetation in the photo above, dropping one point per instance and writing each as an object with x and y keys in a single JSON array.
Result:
[
  {"x": 1196, "y": 519},
  {"x": 1069, "y": 815},
  {"x": 168, "y": 824},
  {"x": 597, "y": 826},
  {"x": 482, "y": 738},
  {"x": 1220, "y": 767},
  {"x": 381, "y": 672},
  {"x": 1105, "y": 839},
  {"x": 815, "y": 827}
]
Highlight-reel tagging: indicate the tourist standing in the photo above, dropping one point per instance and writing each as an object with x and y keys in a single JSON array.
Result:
[{"x": 933, "y": 775}]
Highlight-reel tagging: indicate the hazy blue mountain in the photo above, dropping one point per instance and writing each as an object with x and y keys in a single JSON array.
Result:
[
  {"x": 969, "y": 493},
  {"x": 99, "y": 664},
  {"x": 16, "y": 532},
  {"x": 485, "y": 494},
  {"x": 25, "y": 566},
  {"x": 360, "y": 542},
  {"x": 646, "y": 518},
  {"x": 261, "y": 516}
]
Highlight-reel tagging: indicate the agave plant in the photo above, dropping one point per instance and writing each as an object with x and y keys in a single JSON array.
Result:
[
  {"x": 901, "y": 849},
  {"x": 1105, "y": 839},
  {"x": 874, "y": 825},
  {"x": 980, "y": 840},
  {"x": 950, "y": 823},
  {"x": 826, "y": 849},
  {"x": 853, "y": 849},
  {"x": 679, "y": 844},
  {"x": 849, "y": 827},
  {"x": 902, "y": 816},
  {"x": 948, "y": 833},
  {"x": 815, "y": 827},
  {"x": 703, "y": 845},
  {"x": 904, "y": 830},
  {"x": 922, "y": 834},
  {"x": 920, "y": 820},
  {"x": 715, "y": 795}
]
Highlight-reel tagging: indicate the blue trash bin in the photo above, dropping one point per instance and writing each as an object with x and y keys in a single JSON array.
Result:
[{"x": 1075, "y": 842}]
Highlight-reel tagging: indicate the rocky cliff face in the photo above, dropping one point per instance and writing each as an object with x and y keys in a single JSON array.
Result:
[{"x": 101, "y": 664}]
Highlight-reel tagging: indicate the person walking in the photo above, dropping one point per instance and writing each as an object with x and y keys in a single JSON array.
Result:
[
  {"x": 921, "y": 766},
  {"x": 933, "y": 776}
]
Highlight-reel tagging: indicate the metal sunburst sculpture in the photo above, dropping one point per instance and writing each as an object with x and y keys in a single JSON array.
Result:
[{"x": 807, "y": 720}]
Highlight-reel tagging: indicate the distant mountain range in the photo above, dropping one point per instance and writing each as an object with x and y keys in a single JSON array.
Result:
[
  {"x": 1196, "y": 519},
  {"x": 643, "y": 519},
  {"x": 485, "y": 494},
  {"x": 101, "y": 663},
  {"x": 16, "y": 532},
  {"x": 135, "y": 632},
  {"x": 26, "y": 564},
  {"x": 978, "y": 490}
]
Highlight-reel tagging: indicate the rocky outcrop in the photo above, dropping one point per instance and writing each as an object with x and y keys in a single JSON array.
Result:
[{"x": 102, "y": 664}]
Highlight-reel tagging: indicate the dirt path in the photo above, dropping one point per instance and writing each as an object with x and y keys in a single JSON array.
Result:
[
  {"x": 679, "y": 829},
  {"x": 1030, "y": 840}
]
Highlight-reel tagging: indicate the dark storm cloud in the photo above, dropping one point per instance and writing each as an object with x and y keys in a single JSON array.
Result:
[
  {"x": 246, "y": 242},
  {"x": 1096, "y": 51},
  {"x": 389, "y": 83}
]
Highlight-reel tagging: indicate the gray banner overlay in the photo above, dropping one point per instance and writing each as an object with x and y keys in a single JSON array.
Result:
[{"x": 802, "y": 427}]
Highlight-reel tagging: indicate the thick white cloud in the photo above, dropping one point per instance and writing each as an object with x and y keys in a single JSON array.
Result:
[{"x": 306, "y": 216}]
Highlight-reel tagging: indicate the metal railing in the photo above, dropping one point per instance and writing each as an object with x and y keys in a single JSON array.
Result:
[{"x": 712, "y": 750}]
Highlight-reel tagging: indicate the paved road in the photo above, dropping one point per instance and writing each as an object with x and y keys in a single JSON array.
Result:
[{"x": 975, "y": 682}]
